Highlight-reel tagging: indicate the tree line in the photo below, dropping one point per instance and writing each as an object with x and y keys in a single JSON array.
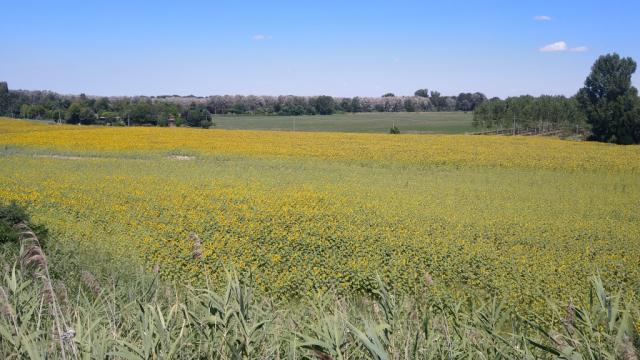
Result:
[
  {"x": 607, "y": 103},
  {"x": 543, "y": 112},
  {"x": 200, "y": 111}
]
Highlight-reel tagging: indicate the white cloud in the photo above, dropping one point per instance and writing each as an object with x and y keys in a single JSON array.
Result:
[
  {"x": 542, "y": 18},
  {"x": 579, "y": 49},
  {"x": 261, "y": 37},
  {"x": 562, "y": 46},
  {"x": 555, "y": 47}
]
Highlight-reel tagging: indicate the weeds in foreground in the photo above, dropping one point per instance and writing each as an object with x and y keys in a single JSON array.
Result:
[{"x": 148, "y": 319}]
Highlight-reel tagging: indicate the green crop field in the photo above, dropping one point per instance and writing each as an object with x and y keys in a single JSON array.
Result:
[
  {"x": 430, "y": 122},
  {"x": 524, "y": 218},
  {"x": 449, "y": 234}
]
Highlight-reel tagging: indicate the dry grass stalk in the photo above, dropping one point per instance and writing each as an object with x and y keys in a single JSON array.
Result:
[
  {"x": 196, "y": 251},
  {"x": 33, "y": 257},
  {"x": 569, "y": 318},
  {"x": 322, "y": 355},
  {"x": 91, "y": 282},
  {"x": 5, "y": 306},
  {"x": 428, "y": 280},
  {"x": 627, "y": 350},
  {"x": 61, "y": 292}
]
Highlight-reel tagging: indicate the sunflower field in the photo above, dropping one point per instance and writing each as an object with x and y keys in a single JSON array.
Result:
[{"x": 524, "y": 218}]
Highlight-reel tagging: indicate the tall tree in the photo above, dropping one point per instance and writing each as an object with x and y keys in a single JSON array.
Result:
[
  {"x": 437, "y": 100},
  {"x": 356, "y": 106},
  {"x": 324, "y": 105},
  {"x": 422, "y": 93},
  {"x": 4, "y": 98},
  {"x": 610, "y": 102},
  {"x": 409, "y": 105}
]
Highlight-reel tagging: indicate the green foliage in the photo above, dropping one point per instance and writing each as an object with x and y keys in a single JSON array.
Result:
[
  {"x": 196, "y": 111},
  {"x": 469, "y": 101},
  {"x": 148, "y": 319},
  {"x": 607, "y": 102},
  {"x": 206, "y": 123},
  {"x": 437, "y": 100},
  {"x": 11, "y": 215},
  {"x": 610, "y": 102},
  {"x": 110, "y": 315},
  {"x": 4, "y": 97},
  {"x": 409, "y": 105},
  {"x": 356, "y": 105},
  {"x": 422, "y": 93},
  {"x": 291, "y": 109},
  {"x": 324, "y": 105},
  {"x": 529, "y": 112}
]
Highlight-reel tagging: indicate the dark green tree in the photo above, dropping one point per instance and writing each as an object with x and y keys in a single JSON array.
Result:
[
  {"x": 103, "y": 104},
  {"x": 345, "y": 105},
  {"x": 422, "y": 93},
  {"x": 4, "y": 98},
  {"x": 438, "y": 101},
  {"x": 324, "y": 105},
  {"x": 194, "y": 115},
  {"x": 356, "y": 106},
  {"x": 141, "y": 112},
  {"x": 73, "y": 113},
  {"x": 610, "y": 102},
  {"x": 409, "y": 105}
]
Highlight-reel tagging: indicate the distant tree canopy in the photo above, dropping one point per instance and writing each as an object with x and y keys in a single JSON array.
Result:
[
  {"x": 4, "y": 97},
  {"x": 324, "y": 105},
  {"x": 609, "y": 101},
  {"x": 200, "y": 111},
  {"x": 469, "y": 101},
  {"x": 422, "y": 93},
  {"x": 528, "y": 111}
]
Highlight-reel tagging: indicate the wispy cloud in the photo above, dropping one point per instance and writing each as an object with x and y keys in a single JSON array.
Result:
[
  {"x": 555, "y": 47},
  {"x": 261, "y": 37},
  {"x": 562, "y": 46},
  {"x": 542, "y": 18}
]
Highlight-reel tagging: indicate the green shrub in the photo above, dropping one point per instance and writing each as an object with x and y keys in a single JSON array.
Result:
[{"x": 13, "y": 214}]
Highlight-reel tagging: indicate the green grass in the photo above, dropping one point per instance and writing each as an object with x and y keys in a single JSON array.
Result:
[
  {"x": 127, "y": 314},
  {"x": 429, "y": 122}
]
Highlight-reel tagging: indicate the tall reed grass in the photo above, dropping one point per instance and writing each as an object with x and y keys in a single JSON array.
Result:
[{"x": 100, "y": 316}]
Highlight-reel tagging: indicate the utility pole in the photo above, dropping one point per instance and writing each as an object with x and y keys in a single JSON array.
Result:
[
  {"x": 294, "y": 124},
  {"x": 514, "y": 123}
]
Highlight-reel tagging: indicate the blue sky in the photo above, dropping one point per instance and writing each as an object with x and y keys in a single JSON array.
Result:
[{"x": 340, "y": 48}]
